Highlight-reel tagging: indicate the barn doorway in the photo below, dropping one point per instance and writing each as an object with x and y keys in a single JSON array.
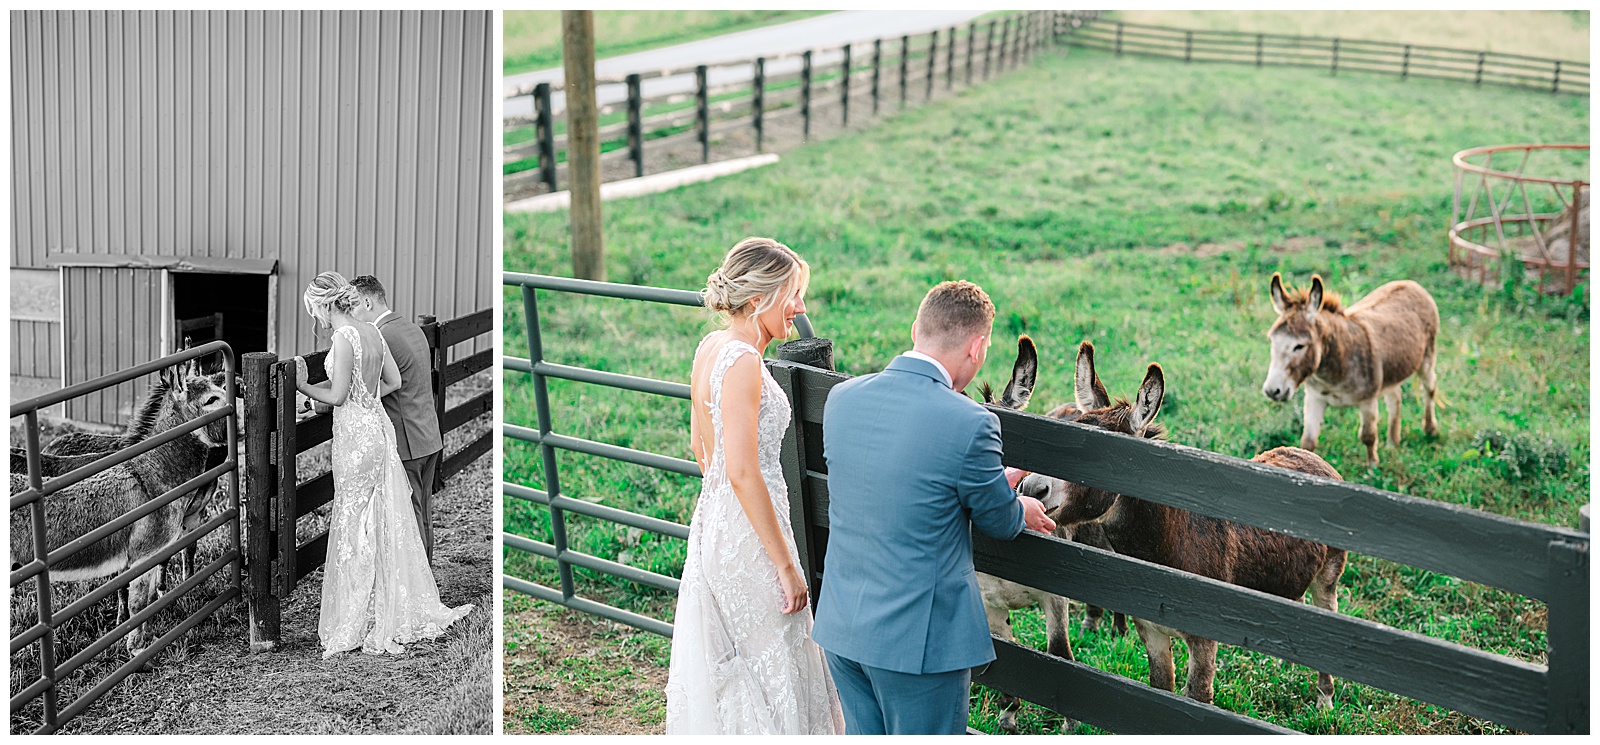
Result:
[{"x": 236, "y": 308}]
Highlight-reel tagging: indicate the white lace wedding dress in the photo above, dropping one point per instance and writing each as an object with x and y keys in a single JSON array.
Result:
[
  {"x": 739, "y": 665},
  {"x": 378, "y": 591}
]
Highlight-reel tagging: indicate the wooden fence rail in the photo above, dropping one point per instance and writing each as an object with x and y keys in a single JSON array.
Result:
[
  {"x": 649, "y": 122},
  {"x": 1335, "y": 55},
  {"x": 278, "y": 498}
]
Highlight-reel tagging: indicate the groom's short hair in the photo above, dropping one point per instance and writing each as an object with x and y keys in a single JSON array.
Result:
[
  {"x": 369, "y": 285},
  {"x": 952, "y": 312}
]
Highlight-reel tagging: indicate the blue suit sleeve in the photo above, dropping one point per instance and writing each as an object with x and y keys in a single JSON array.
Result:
[{"x": 982, "y": 488}]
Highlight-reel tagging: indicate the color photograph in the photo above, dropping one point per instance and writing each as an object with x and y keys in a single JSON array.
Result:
[
  {"x": 251, "y": 407},
  {"x": 1040, "y": 372}
]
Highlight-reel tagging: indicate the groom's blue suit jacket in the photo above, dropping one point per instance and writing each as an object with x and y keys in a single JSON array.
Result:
[{"x": 912, "y": 466}]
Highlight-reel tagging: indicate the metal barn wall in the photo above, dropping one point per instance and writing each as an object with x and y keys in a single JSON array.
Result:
[
  {"x": 356, "y": 141},
  {"x": 119, "y": 326},
  {"x": 36, "y": 348}
]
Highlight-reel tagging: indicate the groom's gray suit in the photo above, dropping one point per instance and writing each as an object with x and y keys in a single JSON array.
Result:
[
  {"x": 416, "y": 421},
  {"x": 912, "y": 466}
]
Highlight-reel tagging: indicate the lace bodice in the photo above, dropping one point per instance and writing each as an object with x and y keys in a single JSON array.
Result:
[{"x": 739, "y": 665}]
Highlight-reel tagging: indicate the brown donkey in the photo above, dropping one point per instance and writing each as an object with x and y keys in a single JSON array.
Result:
[
  {"x": 1353, "y": 356},
  {"x": 1000, "y": 596},
  {"x": 1219, "y": 549},
  {"x": 82, "y": 507}
]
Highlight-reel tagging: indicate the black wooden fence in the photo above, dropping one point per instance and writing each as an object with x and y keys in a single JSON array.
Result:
[
  {"x": 880, "y": 73},
  {"x": 278, "y": 498},
  {"x": 1336, "y": 55},
  {"x": 36, "y": 498},
  {"x": 1538, "y": 561}
]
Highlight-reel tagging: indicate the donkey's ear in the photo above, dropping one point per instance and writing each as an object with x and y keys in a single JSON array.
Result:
[
  {"x": 1279, "y": 300},
  {"x": 1148, "y": 402},
  {"x": 1314, "y": 297},
  {"x": 1023, "y": 375},
  {"x": 1091, "y": 394}
]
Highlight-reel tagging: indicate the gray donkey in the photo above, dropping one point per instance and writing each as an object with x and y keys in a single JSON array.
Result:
[{"x": 82, "y": 507}]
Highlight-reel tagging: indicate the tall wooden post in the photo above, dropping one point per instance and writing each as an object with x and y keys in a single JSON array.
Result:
[
  {"x": 635, "y": 126},
  {"x": 805, "y": 95},
  {"x": 702, "y": 113},
  {"x": 758, "y": 98},
  {"x": 877, "y": 71},
  {"x": 844, "y": 95},
  {"x": 259, "y": 487},
  {"x": 583, "y": 144}
]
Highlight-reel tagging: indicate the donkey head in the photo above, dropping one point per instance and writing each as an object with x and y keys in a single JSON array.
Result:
[
  {"x": 1070, "y": 503},
  {"x": 1023, "y": 374},
  {"x": 191, "y": 394},
  {"x": 1296, "y": 342}
]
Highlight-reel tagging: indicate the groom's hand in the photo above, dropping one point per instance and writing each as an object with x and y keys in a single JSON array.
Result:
[
  {"x": 1033, "y": 515},
  {"x": 1015, "y": 476}
]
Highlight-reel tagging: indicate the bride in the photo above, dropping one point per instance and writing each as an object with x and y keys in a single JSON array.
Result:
[
  {"x": 742, "y": 657},
  {"x": 377, "y": 589}
]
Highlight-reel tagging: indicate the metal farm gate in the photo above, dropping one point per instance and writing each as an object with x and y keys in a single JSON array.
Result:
[
  {"x": 277, "y": 495},
  {"x": 1537, "y": 561},
  {"x": 36, "y": 499}
]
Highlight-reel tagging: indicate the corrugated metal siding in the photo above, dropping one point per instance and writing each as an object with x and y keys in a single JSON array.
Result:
[
  {"x": 36, "y": 348},
  {"x": 356, "y": 141},
  {"x": 120, "y": 327}
]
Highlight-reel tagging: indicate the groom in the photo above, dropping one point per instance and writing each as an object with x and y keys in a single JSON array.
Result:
[
  {"x": 411, "y": 407},
  {"x": 912, "y": 465}
]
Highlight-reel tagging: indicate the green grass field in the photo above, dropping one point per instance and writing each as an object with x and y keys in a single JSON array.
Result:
[
  {"x": 1142, "y": 205},
  {"x": 533, "y": 37}
]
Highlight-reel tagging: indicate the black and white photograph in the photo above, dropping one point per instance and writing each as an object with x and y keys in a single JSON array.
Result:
[{"x": 251, "y": 336}]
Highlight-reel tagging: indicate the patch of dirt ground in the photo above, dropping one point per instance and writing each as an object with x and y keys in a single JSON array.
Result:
[{"x": 571, "y": 673}]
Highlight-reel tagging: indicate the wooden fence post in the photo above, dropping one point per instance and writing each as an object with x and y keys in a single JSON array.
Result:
[
  {"x": 702, "y": 112},
  {"x": 1005, "y": 37},
  {"x": 905, "y": 56},
  {"x": 259, "y": 486},
  {"x": 544, "y": 131},
  {"x": 635, "y": 127},
  {"x": 950, "y": 62},
  {"x": 933, "y": 62},
  {"x": 988, "y": 50},
  {"x": 1260, "y": 42},
  {"x": 972, "y": 46},
  {"x": 438, "y": 354},
  {"x": 1188, "y": 46},
  {"x": 1555, "y": 81},
  {"x": 759, "y": 88},
  {"x": 284, "y": 452},
  {"x": 805, "y": 95},
  {"x": 1567, "y": 637},
  {"x": 844, "y": 95},
  {"x": 1405, "y": 63},
  {"x": 583, "y": 146},
  {"x": 1119, "y": 39},
  {"x": 877, "y": 70},
  {"x": 1477, "y": 79},
  {"x": 1333, "y": 69}
]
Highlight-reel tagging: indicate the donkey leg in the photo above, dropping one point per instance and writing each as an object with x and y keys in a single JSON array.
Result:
[
  {"x": 1055, "y": 626},
  {"x": 999, "y": 619},
  {"x": 141, "y": 593},
  {"x": 1202, "y": 668},
  {"x": 1425, "y": 375},
  {"x": 1158, "y": 650},
  {"x": 1391, "y": 402},
  {"x": 1369, "y": 430},
  {"x": 1325, "y": 595},
  {"x": 1311, "y": 427}
]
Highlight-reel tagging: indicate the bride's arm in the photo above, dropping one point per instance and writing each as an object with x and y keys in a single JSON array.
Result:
[
  {"x": 741, "y": 405},
  {"x": 337, "y": 389},
  {"x": 389, "y": 380}
]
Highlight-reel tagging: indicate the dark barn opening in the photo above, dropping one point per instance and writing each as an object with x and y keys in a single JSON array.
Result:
[{"x": 232, "y": 307}]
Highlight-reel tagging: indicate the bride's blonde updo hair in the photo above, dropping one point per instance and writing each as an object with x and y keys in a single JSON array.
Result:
[
  {"x": 328, "y": 291},
  {"x": 754, "y": 268}
]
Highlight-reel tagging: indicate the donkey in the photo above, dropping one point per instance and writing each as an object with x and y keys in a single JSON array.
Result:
[
  {"x": 1000, "y": 596},
  {"x": 1353, "y": 356},
  {"x": 95, "y": 501},
  {"x": 1238, "y": 554}
]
